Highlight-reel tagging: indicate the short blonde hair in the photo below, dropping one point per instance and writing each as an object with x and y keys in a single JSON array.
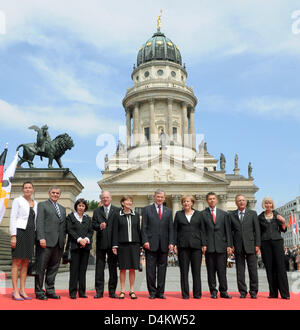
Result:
[
  {"x": 267, "y": 199},
  {"x": 183, "y": 198}
]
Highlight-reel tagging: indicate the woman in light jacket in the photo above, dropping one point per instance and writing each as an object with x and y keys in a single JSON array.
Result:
[{"x": 22, "y": 231}]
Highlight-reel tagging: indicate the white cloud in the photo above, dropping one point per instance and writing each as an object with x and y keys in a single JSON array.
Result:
[
  {"x": 271, "y": 107},
  {"x": 208, "y": 27},
  {"x": 78, "y": 119}
]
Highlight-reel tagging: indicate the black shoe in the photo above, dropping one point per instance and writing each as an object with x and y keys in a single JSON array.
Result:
[
  {"x": 83, "y": 296},
  {"x": 197, "y": 297},
  {"x": 214, "y": 295},
  {"x": 185, "y": 297},
  {"x": 243, "y": 295},
  {"x": 253, "y": 296},
  {"x": 161, "y": 296},
  {"x": 272, "y": 297},
  {"x": 288, "y": 298},
  {"x": 52, "y": 296},
  {"x": 112, "y": 295},
  {"x": 98, "y": 295},
  {"x": 152, "y": 296},
  {"x": 73, "y": 297},
  {"x": 225, "y": 295},
  {"x": 41, "y": 297}
]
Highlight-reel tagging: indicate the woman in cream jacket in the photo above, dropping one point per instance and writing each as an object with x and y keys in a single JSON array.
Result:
[{"x": 22, "y": 231}]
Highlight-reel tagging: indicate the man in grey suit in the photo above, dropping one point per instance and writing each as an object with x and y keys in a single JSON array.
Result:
[
  {"x": 157, "y": 239},
  {"x": 246, "y": 241},
  {"x": 51, "y": 232}
]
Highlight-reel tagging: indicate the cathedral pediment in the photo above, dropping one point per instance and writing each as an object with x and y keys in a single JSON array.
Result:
[{"x": 165, "y": 170}]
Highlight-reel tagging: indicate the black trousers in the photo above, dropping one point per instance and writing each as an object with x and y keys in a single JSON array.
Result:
[
  {"x": 48, "y": 260},
  {"x": 240, "y": 261},
  {"x": 216, "y": 264},
  {"x": 112, "y": 261},
  {"x": 156, "y": 269},
  {"x": 78, "y": 267},
  {"x": 187, "y": 257},
  {"x": 272, "y": 253}
]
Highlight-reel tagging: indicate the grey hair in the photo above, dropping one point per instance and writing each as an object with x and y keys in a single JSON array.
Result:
[
  {"x": 54, "y": 188},
  {"x": 159, "y": 191}
]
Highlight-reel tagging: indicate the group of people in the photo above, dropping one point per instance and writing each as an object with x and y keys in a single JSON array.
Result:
[
  {"x": 292, "y": 258},
  {"x": 122, "y": 235}
]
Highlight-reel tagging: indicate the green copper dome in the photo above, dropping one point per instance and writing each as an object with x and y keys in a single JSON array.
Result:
[{"x": 159, "y": 47}]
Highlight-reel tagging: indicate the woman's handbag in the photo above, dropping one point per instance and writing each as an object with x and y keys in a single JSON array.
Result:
[
  {"x": 32, "y": 267},
  {"x": 66, "y": 258}
]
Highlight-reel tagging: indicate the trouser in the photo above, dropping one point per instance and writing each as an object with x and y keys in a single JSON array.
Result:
[
  {"x": 78, "y": 267},
  {"x": 273, "y": 258},
  {"x": 240, "y": 261},
  {"x": 48, "y": 260},
  {"x": 216, "y": 264},
  {"x": 187, "y": 257},
  {"x": 156, "y": 269},
  {"x": 112, "y": 261}
]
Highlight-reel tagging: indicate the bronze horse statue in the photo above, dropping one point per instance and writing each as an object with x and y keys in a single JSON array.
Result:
[{"x": 53, "y": 150}]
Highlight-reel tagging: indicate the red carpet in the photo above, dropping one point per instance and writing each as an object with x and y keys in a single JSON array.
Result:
[{"x": 173, "y": 302}]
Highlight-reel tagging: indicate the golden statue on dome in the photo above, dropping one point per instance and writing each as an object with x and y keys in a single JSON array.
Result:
[{"x": 159, "y": 21}]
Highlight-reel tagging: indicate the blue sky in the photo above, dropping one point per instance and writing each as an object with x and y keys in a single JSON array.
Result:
[{"x": 68, "y": 64}]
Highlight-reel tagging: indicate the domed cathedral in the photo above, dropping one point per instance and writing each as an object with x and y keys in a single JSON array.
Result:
[{"x": 162, "y": 150}]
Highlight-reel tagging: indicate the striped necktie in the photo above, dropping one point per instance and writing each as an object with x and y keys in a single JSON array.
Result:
[{"x": 57, "y": 209}]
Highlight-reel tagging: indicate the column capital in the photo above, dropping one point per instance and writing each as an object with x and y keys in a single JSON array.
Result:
[
  {"x": 150, "y": 199},
  {"x": 170, "y": 100},
  {"x": 200, "y": 198},
  {"x": 222, "y": 198},
  {"x": 176, "y": 198}
]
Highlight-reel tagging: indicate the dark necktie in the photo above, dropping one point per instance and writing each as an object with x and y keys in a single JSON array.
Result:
[{"x": 159, "y": 211}]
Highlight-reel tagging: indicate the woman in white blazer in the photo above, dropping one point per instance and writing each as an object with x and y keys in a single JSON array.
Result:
[{"x": 22, "y": 231}]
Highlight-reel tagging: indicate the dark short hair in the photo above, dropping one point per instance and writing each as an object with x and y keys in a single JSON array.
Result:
[
  {"x": 125, "y": 198},
  {"x": 27, "y": 182},
  {"x": 83, "y": 201},
  {"x": 210, "y": 194}
]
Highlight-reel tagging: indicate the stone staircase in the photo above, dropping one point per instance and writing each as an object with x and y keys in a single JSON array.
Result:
[{"x": 5, "y": 255}]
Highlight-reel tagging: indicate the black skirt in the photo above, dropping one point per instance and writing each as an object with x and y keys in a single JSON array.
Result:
[
  {"x": 25, "y": 239},
  {"x": 129, "y": 255}
]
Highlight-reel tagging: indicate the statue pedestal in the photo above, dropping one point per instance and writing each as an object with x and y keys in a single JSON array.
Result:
[{"x": 42, "y": 180}]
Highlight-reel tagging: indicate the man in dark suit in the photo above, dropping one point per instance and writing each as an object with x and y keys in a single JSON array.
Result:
[
  {"x": 51, "y": 233},
  {"x": 219, "y": 241},
  {"x": 157, "y": 239},
  {"x": 102, "y": 223},
  {"x": 246, "y": 241}
]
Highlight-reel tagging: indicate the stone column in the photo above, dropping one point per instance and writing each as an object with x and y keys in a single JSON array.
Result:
[
  {"x": 136, "y": 124},
  {"x": 152, "y": 120},
  {"x": 251, "y": 204},
  {"x": 175, "y": 204},
  {"x": 184, "y": 124},
  {"x": 223, "y": 201},
  {"x": 192, "y": 129},
  {"x": 170, "y": 119},
  {"x": 150, "y": 199},
  {"x": 199, "y": 204},
  {"x": 128, "y": 127}
]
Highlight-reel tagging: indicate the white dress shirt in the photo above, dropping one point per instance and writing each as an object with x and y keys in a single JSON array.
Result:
[{"x": 77, "y": 216}]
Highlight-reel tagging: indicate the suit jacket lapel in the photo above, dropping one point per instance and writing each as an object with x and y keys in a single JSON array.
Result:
[
  {"x": 155, "y": 212},
  {"x": 53, "y": 207}
]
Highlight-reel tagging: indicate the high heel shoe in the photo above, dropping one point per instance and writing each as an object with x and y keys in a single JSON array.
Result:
[
  {"x": 18, "y": 299},
  {"x": 25, "y": 298}
]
